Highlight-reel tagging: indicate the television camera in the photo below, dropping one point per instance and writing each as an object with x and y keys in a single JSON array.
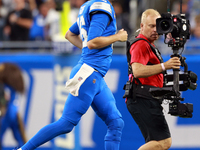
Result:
[{"x": 176, "y": 29}]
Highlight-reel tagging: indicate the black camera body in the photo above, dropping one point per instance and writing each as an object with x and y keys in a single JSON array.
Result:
[
  {"x": 177, "y": 25},
  {"x": 168, "y": 92},
  {"x": 183, "y": 110},
  {"x": 176, "y": 29}
]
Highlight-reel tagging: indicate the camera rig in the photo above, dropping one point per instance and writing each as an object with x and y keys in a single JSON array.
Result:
[{"x": 176, "y": 29}]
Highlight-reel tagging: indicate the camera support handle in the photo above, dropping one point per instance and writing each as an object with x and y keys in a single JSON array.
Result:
[{"x": 176, "y": 73}]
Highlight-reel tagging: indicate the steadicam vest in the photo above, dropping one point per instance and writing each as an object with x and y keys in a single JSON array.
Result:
[{"x": 131, "y": 88}]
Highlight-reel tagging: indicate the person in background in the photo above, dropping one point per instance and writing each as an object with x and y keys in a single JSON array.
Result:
[
  {"x": 75, "y": 6},
  {"x": 38, "y": 31},
  {"x": 12, "y": 84},
  {"x": 94, "y": 33},
  {"x": 185, "y": 8},
  {"x": 3, "y": 103},
  {"x": 192, "y": 46},
  {"x": 3, "y": 14},
  {"x": 46, "y": 21},
  {"x": 122, "y": 17},
  {"x": 196, "y": 31},
  {"x": 52, "y": 21},
  {"x": 18, "y": 22}
]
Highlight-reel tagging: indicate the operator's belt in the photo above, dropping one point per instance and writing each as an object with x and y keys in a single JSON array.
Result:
[{"x": 142, "y": 91}]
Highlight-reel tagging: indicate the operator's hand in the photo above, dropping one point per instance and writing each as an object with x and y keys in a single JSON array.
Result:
[
  {"x": 123, "y": 35},
  {"x": 173, "y": 63}
]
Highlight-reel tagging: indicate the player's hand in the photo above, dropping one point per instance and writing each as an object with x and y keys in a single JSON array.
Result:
[
  {"x": 173, "y": 63},
  {"x": 123, "y": 35}
]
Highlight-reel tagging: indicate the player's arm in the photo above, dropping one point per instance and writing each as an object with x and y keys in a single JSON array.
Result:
[
  {"x": 143, "y": 71},
  {"x": 73, "y": 37},
  {"x": 104, "y": 41},
  {"x": 99, "y": 22}
]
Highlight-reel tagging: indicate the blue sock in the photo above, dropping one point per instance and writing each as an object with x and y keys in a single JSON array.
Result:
[
  {"x": 114, "y": 133},
  {"x": 112, "y": 145}
]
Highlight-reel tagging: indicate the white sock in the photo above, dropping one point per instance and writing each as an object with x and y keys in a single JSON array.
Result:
[{"x": 19, "y": 149}]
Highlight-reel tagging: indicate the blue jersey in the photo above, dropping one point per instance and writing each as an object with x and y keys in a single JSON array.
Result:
[{"x": 99, "y": 59}]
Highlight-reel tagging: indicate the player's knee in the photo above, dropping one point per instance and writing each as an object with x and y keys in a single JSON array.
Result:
[
  {"x": 117, "y": 124},
  {"x": 115, "y": 128},
  {"x": 65, "y": 125},
  {"x": 120, "y": 123}
]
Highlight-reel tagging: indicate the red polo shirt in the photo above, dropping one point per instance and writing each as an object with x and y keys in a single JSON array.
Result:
[{"x": 142, "y": 53}]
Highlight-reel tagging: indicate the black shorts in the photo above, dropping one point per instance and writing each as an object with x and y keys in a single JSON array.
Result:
[{"x": 149, "y": 117}]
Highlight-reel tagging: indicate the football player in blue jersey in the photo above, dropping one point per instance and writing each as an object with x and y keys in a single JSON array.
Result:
[{"x": 94, "y": 33}]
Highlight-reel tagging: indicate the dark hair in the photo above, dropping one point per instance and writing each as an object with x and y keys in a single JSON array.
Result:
[{"x": 12, "y": 76}]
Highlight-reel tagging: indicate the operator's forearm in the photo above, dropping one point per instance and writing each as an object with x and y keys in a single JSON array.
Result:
[
  {"x": 143, "y": 71},
  {"x": 102, "y": 41}
]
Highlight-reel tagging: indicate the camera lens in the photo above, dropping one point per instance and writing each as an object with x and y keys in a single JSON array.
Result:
[{"x": 165, "y": 25}]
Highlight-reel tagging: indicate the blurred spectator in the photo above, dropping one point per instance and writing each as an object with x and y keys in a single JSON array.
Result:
[
  {"x": 3, "y": 103},
  {"x": 75, "y": 5},
  {"x": 118, "y": 12},
  {"x": 185, "y": 9},
  {"x": 126, "y": 6},
  {"x": 196, "y": 32},
  {"x": 18, "y": 22},
  {"x": 194, "y": 9},
  {"x": 12, "y": 83},
  {"x": 37, "y": 30},
  {"x": 8, "y": 4},
  {"x": 3, "y": 14},
  {"x": 122, "y": 17},
  {"x": 33, "y": 6},
  {"x": 52, "y": 20},
  {"x": 192, "y": 46},
  {"x": 46, "y": 22}
]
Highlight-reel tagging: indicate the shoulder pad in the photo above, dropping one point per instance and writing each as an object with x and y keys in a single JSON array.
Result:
[{"x": 101, "y": 6}]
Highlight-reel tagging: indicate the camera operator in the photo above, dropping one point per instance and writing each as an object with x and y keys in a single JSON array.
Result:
[{"x": 147, "y": 66}]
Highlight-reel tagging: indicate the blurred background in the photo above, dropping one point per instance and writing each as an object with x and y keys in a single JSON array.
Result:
[{"x": 32, "y": 37}]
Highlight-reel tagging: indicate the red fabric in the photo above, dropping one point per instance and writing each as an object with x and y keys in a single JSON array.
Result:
[{"x": 141, "y": 53}]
